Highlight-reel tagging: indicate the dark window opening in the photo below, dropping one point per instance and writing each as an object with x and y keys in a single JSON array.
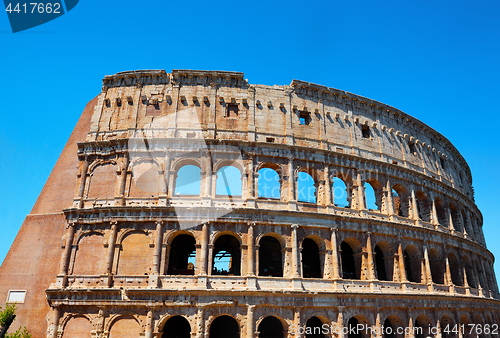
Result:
[
  {"x": 232, "y": 110},
  {"x": 177, "y": 327},
  {"x": 348, "y": 263},
  {"x": 270, "y": 260},
  {"x": 455, "y": 268},
  {"x": 271, "y": 327},
  {"x": 412, "y": 147},
  {"x": 182, "y": 256},
  {"x": 310, "y": 259},
  {"x": 314, "y": 328},
  {"x": 227, "y": 256},
  {"x": 224, "y": 327},
  {"x": 305, "y": 118},
  {"x": 270, "y": 139},
  {"x": 389, "y": 331},
  {"x": 409, "y": 269},
  {"x": 353, "y": 329},
  {"x": 443, "y": 164},
  {"x": 380, "y": 264},
  {"x": 365, "y": 131}
]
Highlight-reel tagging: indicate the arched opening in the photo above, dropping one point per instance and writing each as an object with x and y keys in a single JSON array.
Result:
[
  {"x": 457, "y": 224},
  {"x": 146, "y": 179},
  {"x": 306, "y": 188},
  {"x": 401, "y": 200},
  {"x": 380, "y": 264},
  {"x": 188, "y": 181},
  {"x": 125, "y": 327},
  {"x": 311, "y": 267},
  {"x": 102, "y": 181},
  {"x": 226, "y": 256},
  {"x": 77, "y": 327},
  {"x": 441, "y": 212},
  {"x": 270, "y": 257},
  {"x": 182, "y": 255},
  {"x": 480, "y": 274},
  {"x": 224, "y": 327},
  {"x": 466, "y": 223},
  {"x": 374, "y": 194},
  {"x": 465, "y": 327},
  {"x": 314, "y": 328},
  {"x": 340, "y": 193},
  {"x": 422, "y": 327},
  {"x": 456, "y": 276},
  {"x": 134, "y": 256},
  {"x": 423, "y": 206},
  {"x": 271, "y": 327},
  {"x": 353, "y": 329},
  {"x": 228, "y": 182},
  {"x": 177, "y": 327},
  {"x": 90, "y": 256},
  {"x": 437, "y": 270},
  {"x": 446, "y": 326},
  {"x": 351, "y": 263},
  {"x": 413, "y": 264},
  {"x": 269, "y": 184},
  {"x": 389, "y": 330}
]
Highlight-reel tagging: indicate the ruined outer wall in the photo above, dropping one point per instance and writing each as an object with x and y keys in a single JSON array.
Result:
[{"x": 33, "y": 259}]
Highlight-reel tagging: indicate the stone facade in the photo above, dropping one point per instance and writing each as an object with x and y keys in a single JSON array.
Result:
[{"x": 297, "y": 260}]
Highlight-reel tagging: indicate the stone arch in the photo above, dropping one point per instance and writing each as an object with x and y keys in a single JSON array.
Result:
[
  {"x": 76, "y": 325},
  {"x": 271, "y": 327},
  {"x": 221, "y": 163},
  {"x": 342, "y": 191},
  {"x": 224, "y": 326},
  {"x": 271, "y": 255},
  {"x": 441, "y": 212},
  {"x": 307, "y": 185},
  {"x": 413, "y": 264},
  {"x": 264, "y": 182},
  {"x": 227, "y": 245},
  {"x": 102, "y": 179},
  {"x": 146, "y": 178},
  {"x": 423, "y": 327},
  {"x": 401, "y": 202},
  {"x": 176, "y": 326},
  {"x": 437, "y": 266},
  {"x": 378, "y": 194},
  {"x": 314, "y": 327},
  {"x": 134, "y": 254},
  {"x": 171, "y": 235},
  {"x": 120, "y": 326},
  {"x": 355, "y": 332},
  {"x": 457, "y": 223},
  {"x": 180, "y": 162},
  {"x": 90, "y": 254},
  {"x": 423, "y": 206},
  {"x": 311, "y": 257},
  {"x": 446, "y": 327},
  {"x": 180, "y": 256},
  {"x": 384, "y": 261},
  {"x": 394, "y": 322},
  {"x": 187, "y": 183},
  {"x": 351, "y": 260},
  {"x": 232, "y": 186},
  {"x": 455, "y": 267},
  {"x": 469, "y": 272},
  {"x": 480, "y": 273}
]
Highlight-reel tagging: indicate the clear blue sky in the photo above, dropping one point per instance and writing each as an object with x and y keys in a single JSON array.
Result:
[{"x": 437, "y": 61}]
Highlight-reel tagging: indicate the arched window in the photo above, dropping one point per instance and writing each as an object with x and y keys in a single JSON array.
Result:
[
  {"x": 314, "y": 328},
  {"x": 353, "y": 329},
  {"x": 228, "y": 182},
  {"x": 270, "y": 257},
  {"x": 224, "y": 327},
  {"x": 437, "y": 270},
  {"x": 370, "y": 197},
  {"x": 102, "y": 181},
  {"x": 447, "y": 327},
  {"x": 146, "y": 179},
  {"x": 340, "y": 193},
  {"x": 423, "y": 206},
  {"x": 177, "y": 327},
  {"x": 413, "y": 264},
  {"x": 182, "y": 255},
  {"x": 226, "y": 256},
  {"x": 441, "y": 212},
  {"x": 350, "y": 269},
  {"x": 469, "y": 272},
  {"x": 271, "y": 327},
  {"x": 400, "y": 200},
  {"x": 380, "y": 264},
  {"x": 311, "y": 266},
  {"x": 125, "y": 327},
  {"x": 456, "y": 276},
  {"x": 188, "y": 181},
  {"x": 134, "y": 255},
  {"x": 457, "y": 223},
  {"x": 423, "y": 327},
  {"x": 77, "y": 327},
  {"x": 90, "y": 256},
  {"x": 306, "y": 190},
  {"x": 269, "y": 184},
  {"x": 389, "y": 330}
]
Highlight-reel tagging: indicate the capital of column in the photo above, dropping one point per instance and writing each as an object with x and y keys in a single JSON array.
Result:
[{"x": 295, "y": 226}]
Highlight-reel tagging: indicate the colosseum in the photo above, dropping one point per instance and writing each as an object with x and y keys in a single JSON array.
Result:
[{"x": 194, "y": 204}]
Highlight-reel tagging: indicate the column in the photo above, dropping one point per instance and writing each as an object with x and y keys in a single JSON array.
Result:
[
  {"x": 361, "y": 192},
  {"x": 251, "y": 179},
  {"x": 369, "y": 250},
  {"x": 204, "y": 249},
  {"x": 166, "y": 175},
  {"x": 428, "y": 274},
  {"x": 201, "y": 323},
  {"x": 158, "y": 243},
  {"x": 447, "y": 274},
  {"x": 410, "y": 333},
  {"x": 291, "y": 181},
  {"x": 149, "y": 325},
  {"x": 67, "y": 249},
  {"x": 250, "y": 321},
  {"x": 83, "y": 178},
  {"x": 250, "y": 248},
  {"x": 378, "y": 324},
  {"x": 55, "y": 323},
  {"x": 295, "y": 252},
  {"x": 414, "y": 205},
  {"x": 340, "y": 322},
  {"x": 296, "y": 321},
  {"x": 401, "y": 260},
  {"x": 450, "y": 220},
  {"x": 335, "y": 259},
  {"x": 434, "y": 220},
  {"x": 390, "y": 201},
  {"x": 111, "y": 246},
  {"x": 327, "y": 191},
  {"x": 123, "y": 179}
]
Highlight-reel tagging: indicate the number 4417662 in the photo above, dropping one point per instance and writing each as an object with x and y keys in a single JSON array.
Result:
[{"x": 34, "y": 7}]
